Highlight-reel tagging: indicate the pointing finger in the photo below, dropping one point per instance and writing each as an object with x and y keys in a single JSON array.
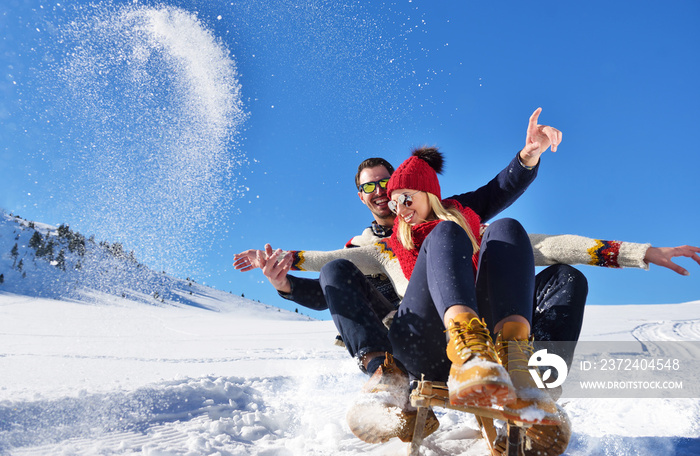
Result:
[{"x": 533, "y": 118}]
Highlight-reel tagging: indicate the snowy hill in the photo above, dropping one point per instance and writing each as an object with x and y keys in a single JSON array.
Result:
[
  {"x": 209, "y": 373},
  {"x": 54, "y": 262}
]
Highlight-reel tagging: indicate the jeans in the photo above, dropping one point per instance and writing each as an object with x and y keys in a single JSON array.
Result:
[{"x": 444, "y": 276}]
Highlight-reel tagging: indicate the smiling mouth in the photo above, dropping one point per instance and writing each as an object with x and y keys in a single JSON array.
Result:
[{"x": 381, "y": 201}]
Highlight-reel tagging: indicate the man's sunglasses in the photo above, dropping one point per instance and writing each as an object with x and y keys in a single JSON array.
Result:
[
  {"x": 370, "y": 187},
  {"x": 404, "y": 199}
]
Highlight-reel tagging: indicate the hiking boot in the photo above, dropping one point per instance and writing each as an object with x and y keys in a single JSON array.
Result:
[
  {"x": 514, "y": 348},
  {"x": 382, "y": 409},
  {"x": 476, "y": 377},
  {"x": 542, "y": 440}
]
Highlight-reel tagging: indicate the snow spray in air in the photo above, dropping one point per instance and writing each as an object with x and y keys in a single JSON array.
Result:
[{"x": 151, "y": 108}]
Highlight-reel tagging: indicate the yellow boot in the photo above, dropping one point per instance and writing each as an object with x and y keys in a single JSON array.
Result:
[
  {"x": 476, "y": 377},
  {"x": 514, "y": 348}
]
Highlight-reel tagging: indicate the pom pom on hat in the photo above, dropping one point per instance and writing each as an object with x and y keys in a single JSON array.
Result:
[
  {"x": 432, "y": 156},
  {"x": 419, "y": 172}
]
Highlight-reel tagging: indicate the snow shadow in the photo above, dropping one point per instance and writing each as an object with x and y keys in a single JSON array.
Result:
[{"x": 239, "y": 401}]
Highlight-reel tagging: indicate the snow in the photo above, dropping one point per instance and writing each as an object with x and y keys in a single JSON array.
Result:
[
  {"x": 210, "y": 373},
  {"x": 121, "y": 377}
]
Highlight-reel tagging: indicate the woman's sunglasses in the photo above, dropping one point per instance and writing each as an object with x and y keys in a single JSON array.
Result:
[
  {"x": 404, "y": 199},
  {"x": 370, "y": 187}
]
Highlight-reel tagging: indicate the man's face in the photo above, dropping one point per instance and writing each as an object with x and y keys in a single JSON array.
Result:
[{"x": 376, "y": 201}]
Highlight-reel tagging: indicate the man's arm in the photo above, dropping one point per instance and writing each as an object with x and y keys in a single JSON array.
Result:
[
  {"x": 502, "y": 191},
  {"x": 306, "y": 292}
]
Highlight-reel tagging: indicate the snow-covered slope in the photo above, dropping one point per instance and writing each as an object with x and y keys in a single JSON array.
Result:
[
  {"x": 41, "y": 260},
  {"x": 210, "y": 373},
  {"x": 119, "y": 377}
]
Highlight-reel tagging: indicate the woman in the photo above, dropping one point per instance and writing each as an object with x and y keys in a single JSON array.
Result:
[{"x": 471, "y": 285}]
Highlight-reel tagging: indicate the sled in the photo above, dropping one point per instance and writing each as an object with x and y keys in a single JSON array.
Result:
[{"x": 427, "y": 394}]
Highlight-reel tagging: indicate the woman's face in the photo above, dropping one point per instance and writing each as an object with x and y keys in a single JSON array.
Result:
[{"x": 411, "y": 205}]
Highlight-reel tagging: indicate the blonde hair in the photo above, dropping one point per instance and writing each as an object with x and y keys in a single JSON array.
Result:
[{"x": 450, "y": 214}]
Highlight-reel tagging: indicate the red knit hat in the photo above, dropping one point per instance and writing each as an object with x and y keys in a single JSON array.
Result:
[{"x": 419, "y": 172}]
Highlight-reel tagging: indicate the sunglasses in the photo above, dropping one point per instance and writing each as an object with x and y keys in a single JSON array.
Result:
[
  {"x": 404, "y": 199},
  {"x": 370, "y": 187}
]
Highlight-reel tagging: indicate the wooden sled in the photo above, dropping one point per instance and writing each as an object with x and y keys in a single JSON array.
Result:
[{"x": 427, "y": 394}]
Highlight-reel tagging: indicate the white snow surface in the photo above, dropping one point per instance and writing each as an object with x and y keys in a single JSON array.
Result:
[
  {"x": 121, "y": 377},
  {"x": 113, "y": 371}
]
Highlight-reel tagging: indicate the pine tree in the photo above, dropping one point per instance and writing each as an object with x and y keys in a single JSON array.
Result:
[
  {"x": 15, "y": 253},
  {"x": 63, "y": 231},
  {"x": 46, "y": 250},
  {"x": 2, "y": 278},
  {"x": 61, "y": 260},
  {"x": 20, "y": 265},
  {"x": 36, "y": 240},
  {"x": 77, "y": 244}
]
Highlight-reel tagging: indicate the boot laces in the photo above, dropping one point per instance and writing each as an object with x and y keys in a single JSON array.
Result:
[
  {"x": 472, "y": 337},
  {"x": 514, "y": 355}
]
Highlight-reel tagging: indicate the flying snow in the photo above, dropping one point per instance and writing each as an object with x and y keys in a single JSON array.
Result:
[{"x": 151, "y": 108}]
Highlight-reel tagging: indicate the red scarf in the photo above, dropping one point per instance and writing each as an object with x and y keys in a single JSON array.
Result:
[{"x": 407, "y": 258}]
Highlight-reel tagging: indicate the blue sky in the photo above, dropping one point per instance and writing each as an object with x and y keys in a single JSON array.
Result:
[{"x": 323, "y": 85}]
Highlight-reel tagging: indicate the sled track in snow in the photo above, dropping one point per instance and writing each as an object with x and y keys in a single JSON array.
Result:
[{"x": 668, "y": 331}]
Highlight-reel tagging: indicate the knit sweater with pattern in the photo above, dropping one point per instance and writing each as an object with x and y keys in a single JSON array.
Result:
[{"x": 379, "y": 258}]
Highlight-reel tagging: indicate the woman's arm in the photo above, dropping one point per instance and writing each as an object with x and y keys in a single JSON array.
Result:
[
  {"x": 573, "y": 249},
  {"x": 365, "y": 258}
]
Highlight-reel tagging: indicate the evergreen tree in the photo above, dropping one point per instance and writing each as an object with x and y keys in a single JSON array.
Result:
[
  {"x": 15, "y": 253},
  {"x": 36, "y": 240},
  {"x": 20, "y": 265},
  {"x": 2, "y": 278},
  {"x": 46, "y": 250},
  {"x": 117, "y": 250},
  {"x": 61, "y": 260},
  {"x": 63, "y": 231},
  {"x": 77, "y": 244}
]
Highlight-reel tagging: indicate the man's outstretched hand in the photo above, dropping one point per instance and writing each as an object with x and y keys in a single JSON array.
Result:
[{"x": 538, "y": 139}]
